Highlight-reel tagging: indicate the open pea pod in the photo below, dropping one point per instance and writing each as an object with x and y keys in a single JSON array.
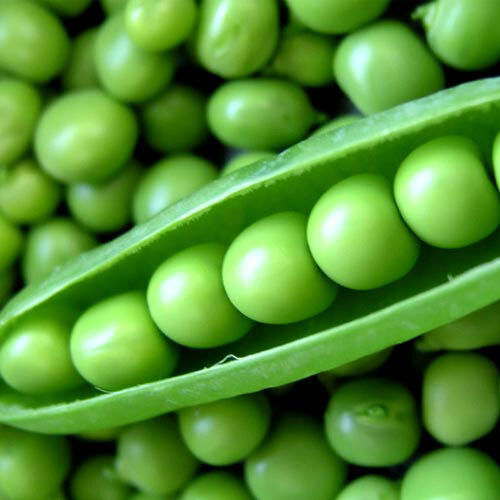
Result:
[{"x": 445, "y": 284}]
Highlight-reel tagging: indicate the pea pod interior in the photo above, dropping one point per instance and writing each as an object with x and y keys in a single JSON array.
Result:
[{"x": 445, "y": 284}]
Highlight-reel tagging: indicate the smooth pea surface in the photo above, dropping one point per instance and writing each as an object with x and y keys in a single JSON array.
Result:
[
  {"x": 216, "y": 486},
  {"x": 370, "y": 488},
  {"x": 244, "y": 159},
  {"x": 12, "y": 239},
  {"x": 80, "y": 72}
]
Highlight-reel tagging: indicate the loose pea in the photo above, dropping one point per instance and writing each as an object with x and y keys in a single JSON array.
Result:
[
  {"x": 235, "y": 38},
  {"x": 443, "y": 193},
  {"x": 115, "y": 344},
  {"x": 7, "y": 277},
  {"x": 356, "y": 234},
  {"x": 244, "y": 159},
  {"x": 12, "y": 239},
  {"x": 363, "y": 365},
  {"x": 81, "y": 72},
  {"x": 270, "y": 275},
  {"x": 294, "y": 463},
  {"x": 168, "y": 181},
  {"x": 152, "y": 456},
  {"x": 371, "y": 67},
  {"x": 336, "y": 123},
  {"x": 85, "y": 136},
  {"x": 113, "y": 6},
  {"x": 370, "y": 487},
  {"x": 260, "y": 114},
  {"x": 218, "y": 485}
]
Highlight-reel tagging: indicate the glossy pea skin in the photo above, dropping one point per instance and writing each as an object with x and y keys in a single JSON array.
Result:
[
  {"x": 452, "y": 473},
  {"x": 356, "y": 234},
  {"x": 294, "y": 463},
  {"x": 336, "y": 123},
  {"x": 168, "y": 181},
  {"x": 371, "y": 67},
  {"x": 126, "y": 71},
  {"x": 115, "y": 344},
  {"x": 152, "y": 456},
  {"x": 12, "y": 240},
  {"x": 372, "y": 422},
  {"x": 33, "y": 42},
  {"x": 188, "y": 303},
  {"x": 244, "y": 159},
  {"x": 217, "y": 485},
  {"x": 370, "y": 487},
  {"x": 80, "y": 72},
  {"x": 235, "y": 38},
  {"x": 32, "y": 466},
  {"x": 270, "y": 275},
  {"x": 50, "y": 244},
  {"x": 260, "y": 114},
  {"x": 227, "y": 431},
  {"x": 444, "y": 195},
  {"x": 85, "y": 136},
  {"x": 20, "y": 106}
]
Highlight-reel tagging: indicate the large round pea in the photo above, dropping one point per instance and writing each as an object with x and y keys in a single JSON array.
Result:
[
  {"x": 50, "y": 244},
  {"x": 115, "y": 344},
  {"x": 227, "y": 431},
  {"x": 372, "y": 67},
  {"x": 244, "y": 159},
  {"x": 20, "y": 106},
  {"x": 337, "y": 232},
  {"x": 187, "y": 300},
  {"x": 294, "y": 463},
  {"x": 33, "y": 42},
  {"x": 152, "y": 456},
  {"x": 12, "y": 239},
  {"x": 260, "y": 114},
  {"x": 443, "y": 193},
  {"x": 85, "y": 136},
  {"x": 372, "y": 422},
  {"x": 370, "y": 488},
  {"x": 81, "y": 72},
  {"x": 68, "y": 8},
  {"x": 125, "y": 70},
  {"x": 452, "y": 473},
  {"x": 168, "y": 181},
  {"x": 270, "y": 275},
  {"x": 217, "y": 485}
]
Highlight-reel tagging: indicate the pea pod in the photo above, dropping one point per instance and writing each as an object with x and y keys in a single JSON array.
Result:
[{"x": 444, "y": 285}]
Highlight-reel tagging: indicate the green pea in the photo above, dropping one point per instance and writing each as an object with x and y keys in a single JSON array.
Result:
[
  {"x": 295, "y": 463},
  {"x": 370, "y": 487},
  {"x": 81, "y": 72},
  {"x": 217, "y": 485},
  {"x": 187, "y": 300},
  {"x": 20, "y": 106},
  {"x": 50, "y": 244},
  {"x": 27, "y": 194},
  {"x": 336, "y": 123},
  {"x": 113, "y": 6},
  {"x": 372, "y": 422},
  {"x": 496, "y": 159},
  {"x": 269, "y": 274},
  {"x": 175, "y": 120},
  {"x": 126, "y": 71},
  {"x": 243, "y": 159},
  {"x": 32, "y": 466},
  {"x": 12, "y": 240},
  {"x": 443, "y": 193},
  {"x": 152, "y": 456},
  {"x": 115, "y": 344},
  {"x": 371, "y": 67},
  {"x": 85, "y": 136},
  {"x": 168, "y": 181},
  {"x": 105, "y": 207},
  {"x": 452, "y": 473},
  {"x": 337, "y": 232},
  {"x": 33, "y": 42},
  {"x": 147, "y": 496},
  {"x": 7, "y": 277},
  {"x": 363, "y": 365},
  {"x": 68, "y": 8},
  {"x": 236, "y": 38},
  {"x": 260, "y": 114},
  {"x": 335, "y": 17},
  {"x": 96, "y": 479}
]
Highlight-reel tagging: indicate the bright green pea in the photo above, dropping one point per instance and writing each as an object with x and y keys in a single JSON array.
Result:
[
  {"x": 81, "y": 72},
  {"x": 175, "y": 120},
  {"x": 260, "y": 114},
  {"x": 372, "y": 422},
  {"x": 12, "y": 240},
  {"x": 217, "y": 485},
  {"x": 104, "y": 208},
  {"x": 496, "y": 159},
  {"x": 235, "y": 38},
  {"x": 85, "y": 136},
  {"x": 33, "y": 42},
  {"x": 443, "y": 193},
  {"x": 96, "y": 479},
  {"x": 244, "y": 159},
  {"x": 363, "y": 365},
  {"x": 370, "y": 487},
  {"x": 356, "y": 234},
  {"x": 187, "y": 300},
  {"x": 20, "y": 106},
  {"x": 115, "y": 344},
  {"x": 126, "y": 71},
  {"x": 68, "y": 8},
  {"x": 168, "y": 181},
  {"x": 7, "y": 278},
  {"x": 113, "y": 6},
  {"x": 32, "y": 466},
  {"x": 452, "y": 474},
  {"x": 152, "y": 456},
  {"x": 270, "y": 275},
  {"x": 295, "y": 463},
  {"x": 336, "y": 123},
  {"x": 336, "y": 16},
  {"x": 50, "y": 244},
  {"x": 372, "y": 67}
]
